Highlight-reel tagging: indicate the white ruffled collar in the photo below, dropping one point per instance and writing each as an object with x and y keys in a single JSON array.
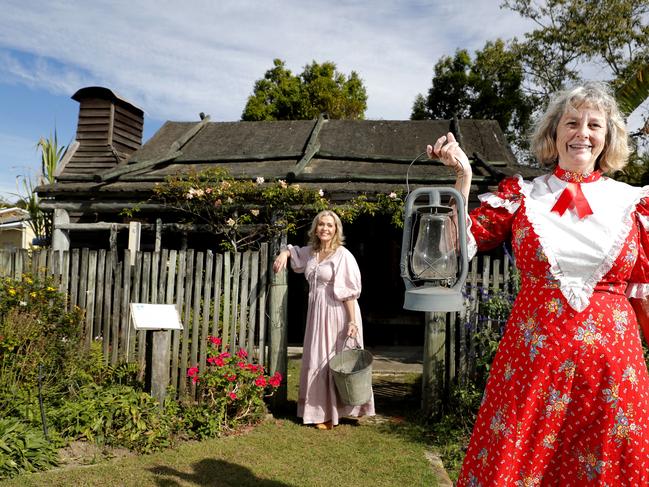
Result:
[{"x": 581, "y": 251}]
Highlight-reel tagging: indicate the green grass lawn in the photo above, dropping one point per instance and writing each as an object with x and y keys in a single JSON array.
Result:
[{"x": 385, "y": 451}]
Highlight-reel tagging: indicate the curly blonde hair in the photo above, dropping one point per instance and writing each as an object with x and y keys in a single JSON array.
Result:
[
  {"x": 597, "y": 95},
  {"x": 338, "y": 238}
]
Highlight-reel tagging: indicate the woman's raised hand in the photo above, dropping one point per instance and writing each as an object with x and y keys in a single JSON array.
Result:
[{"x": 447, "y": 150}]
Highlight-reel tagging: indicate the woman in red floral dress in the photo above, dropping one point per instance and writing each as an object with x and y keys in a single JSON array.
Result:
[{"x": 567, "y": 400}]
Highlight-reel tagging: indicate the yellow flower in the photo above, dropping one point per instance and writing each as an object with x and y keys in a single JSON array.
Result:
[{"x": 12, "y": 291}]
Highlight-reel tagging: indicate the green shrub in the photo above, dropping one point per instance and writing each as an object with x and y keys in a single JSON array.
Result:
[
  {"x": 231, "y": 390},
  {"x": 115, "y": 415},
  {"x": 35, "y": 329},
  {"x": 23, "y": 449}
]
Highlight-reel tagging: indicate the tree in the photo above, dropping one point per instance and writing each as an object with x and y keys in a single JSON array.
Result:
[
  {"x": 612, "y": 33},
  {"x": 51, "y": 155},
  {"x": 487, "y": 87},
  {"x": 280, "y": 95}
]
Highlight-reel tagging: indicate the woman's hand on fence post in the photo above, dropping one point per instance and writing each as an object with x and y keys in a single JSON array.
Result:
[{"x": 281, "y": 260}]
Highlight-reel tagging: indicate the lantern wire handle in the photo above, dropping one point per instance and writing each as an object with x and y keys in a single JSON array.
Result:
[
  {"x": 410, "y": 165},
  {"x": 408, "y": 171}
]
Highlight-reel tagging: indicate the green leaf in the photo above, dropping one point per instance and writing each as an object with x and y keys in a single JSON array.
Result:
[{"x": 633, "y": 92}]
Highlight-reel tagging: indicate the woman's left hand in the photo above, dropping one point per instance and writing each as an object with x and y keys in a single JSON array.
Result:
[{"x": 352, "y": 330}]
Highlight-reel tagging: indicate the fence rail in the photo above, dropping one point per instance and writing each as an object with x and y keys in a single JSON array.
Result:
[{"x": 216, "y": 294}]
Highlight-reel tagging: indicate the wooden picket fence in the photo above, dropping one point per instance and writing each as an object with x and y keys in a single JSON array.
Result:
[
  {"x": 223, "y": 295},
  {"x": 226, "y": 295},
  {"x": 488, "y": 277}
]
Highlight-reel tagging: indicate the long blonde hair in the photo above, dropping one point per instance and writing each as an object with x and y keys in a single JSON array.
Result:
[
  {"x": 597, "y": 95},
  {"x": 337, "y": 240}
]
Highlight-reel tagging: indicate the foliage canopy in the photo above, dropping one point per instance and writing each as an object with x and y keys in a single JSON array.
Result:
[{"x": 320, "y": 88}]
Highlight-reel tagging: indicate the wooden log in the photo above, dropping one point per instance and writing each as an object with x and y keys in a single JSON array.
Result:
[
  {"x": 136, "y": 285},
  {"x": 196, "y": 310},
  {"x": 22, "y": 263},
  {"x": 128, "y": 345},
  {"x": 180, "y": 297},
  {"x": 263, "y": 293},
  {"x": 145, "y": 297},
  {"x": 234, "y": 306},
  {"x": 184, "y": 349},
  {"x": 227, "y": 293},
  {"x": 74, "y": 276},
  {"x": 90, "y": 292},
  {"x": 216, "y": 297},
  {"x": 157, "y": 286},
  {"x": 160, "y": 364},
  {"x": 163, "y": 270},
  {"x": 65, "y": 276},
  {"x": 433, "y": 369},
  {"x": 207, "y": 302},
  {"x": 99, "y": 292},
  {"x": 108, "y": 295},
  {"x": 278, "y": 335},
  {"x": 115, "y": 318},
  {"x": 83, "y": 287},
  {"x": 41, "y": 269},
  {"x": 33, "y": 264},
  {"x": 6, "y": 261},
  {"x": 243, "y": 300},
  {"x": 252, "y": 296}
]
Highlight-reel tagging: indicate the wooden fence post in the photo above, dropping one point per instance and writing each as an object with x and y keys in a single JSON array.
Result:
[
  {"x": 434, "y": 354},
  {"x": 278, "y": 311}
]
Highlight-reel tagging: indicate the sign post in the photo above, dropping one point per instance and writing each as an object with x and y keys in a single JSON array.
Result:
[{"x": 159, "y": 319}]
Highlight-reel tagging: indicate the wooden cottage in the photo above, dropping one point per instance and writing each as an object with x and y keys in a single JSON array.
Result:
[{"x": 107, "y": 170}]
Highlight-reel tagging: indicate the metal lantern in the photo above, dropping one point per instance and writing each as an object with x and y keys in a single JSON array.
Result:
[{"x": 434, "y": 262}]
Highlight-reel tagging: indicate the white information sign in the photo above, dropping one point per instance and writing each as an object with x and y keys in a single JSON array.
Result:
[{"x": 155, "y": 317}]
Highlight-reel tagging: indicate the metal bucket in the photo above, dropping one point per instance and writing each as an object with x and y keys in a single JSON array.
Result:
[{"x": 352, "y": 373}]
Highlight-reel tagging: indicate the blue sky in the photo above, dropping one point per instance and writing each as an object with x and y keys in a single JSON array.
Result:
[{"x": 177, "y": 59}]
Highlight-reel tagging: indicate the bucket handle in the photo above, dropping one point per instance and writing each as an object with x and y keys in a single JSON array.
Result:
[{"x": 357, "y": 347}]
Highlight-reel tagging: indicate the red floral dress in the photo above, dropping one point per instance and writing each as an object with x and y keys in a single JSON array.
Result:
[{"x": 567, "y": 401}]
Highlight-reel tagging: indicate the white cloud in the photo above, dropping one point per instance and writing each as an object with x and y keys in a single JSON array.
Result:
[{"x": 175, "y": 60}]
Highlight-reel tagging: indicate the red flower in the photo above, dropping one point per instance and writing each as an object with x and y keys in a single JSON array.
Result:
[
  {"x": 211, "y": 360},
  {"x": 231, "y": 378},
  {"x": 260, "y": 382},
  {"x": 275, "y": 380},
  {"x": 242, "y": 365},
  {"x": 195, "y": 379},
  {"x": 214, "y": 340},
  {"x": 224, "y": 355},
  {"x": 242, "y": 353},
  {"x": 232, "y": 395},
  {"x": 252, "y": 367},
  {"x": 219, "y": 361},
  {"x": 192, "y": 371}
]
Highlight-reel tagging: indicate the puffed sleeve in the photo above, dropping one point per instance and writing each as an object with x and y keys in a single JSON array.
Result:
[
  {"x": 490, "y": 224},
  {"x": 299, "y": 257},
  {"x": 639, "y": 281},
  {"x": 347, "y": 277}
]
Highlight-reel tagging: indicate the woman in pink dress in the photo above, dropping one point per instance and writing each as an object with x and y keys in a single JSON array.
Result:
[
  {"x": 332, "y": 316},
  {"x": 566, "y": 402}
]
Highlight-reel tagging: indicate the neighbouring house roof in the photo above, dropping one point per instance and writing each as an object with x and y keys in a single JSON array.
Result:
[{"x": 13, "y": 215}]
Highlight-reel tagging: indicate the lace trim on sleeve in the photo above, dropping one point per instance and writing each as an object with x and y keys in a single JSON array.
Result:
[{"x": 511, "y": 202}]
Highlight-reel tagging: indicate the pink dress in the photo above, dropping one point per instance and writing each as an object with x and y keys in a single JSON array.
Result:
[
  {"x": 567, "y": 401},
  {"x": 332, "y": 281}
]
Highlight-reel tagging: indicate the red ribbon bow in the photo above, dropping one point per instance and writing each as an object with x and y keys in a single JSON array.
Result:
[{"x": 572, "y": 196}]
